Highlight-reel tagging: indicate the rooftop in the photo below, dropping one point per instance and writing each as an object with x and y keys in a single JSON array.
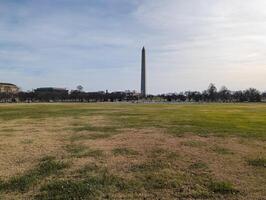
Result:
[
  {"x": 8, "y": 84},
  {"x": 50, "y": 89}
]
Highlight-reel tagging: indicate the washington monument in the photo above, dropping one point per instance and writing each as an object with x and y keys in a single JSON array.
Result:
[{"x": 143, "y": 73}]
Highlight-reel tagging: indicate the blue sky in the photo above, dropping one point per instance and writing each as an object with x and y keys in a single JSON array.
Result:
[{"x": 97, "y": 43}]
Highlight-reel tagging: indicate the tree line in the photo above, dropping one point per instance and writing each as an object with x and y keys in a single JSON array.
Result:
[{"x": 211, "y": 94}]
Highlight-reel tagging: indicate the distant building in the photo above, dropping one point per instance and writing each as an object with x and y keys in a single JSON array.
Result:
[
  {"x": 8, "y": 88},
  {"x": 51, "y": 94},
  {"x": 51, "y": 89}
]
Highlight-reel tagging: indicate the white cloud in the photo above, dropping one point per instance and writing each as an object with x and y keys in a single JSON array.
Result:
[
  {"x": 190, "y": 43},
  {"x": 219, "y": 41}
]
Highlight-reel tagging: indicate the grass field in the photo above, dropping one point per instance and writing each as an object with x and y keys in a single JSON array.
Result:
[{"x": 132, "y": 151}]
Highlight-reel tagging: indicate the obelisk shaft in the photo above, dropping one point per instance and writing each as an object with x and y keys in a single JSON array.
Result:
[{"x": 143, "y": 73}]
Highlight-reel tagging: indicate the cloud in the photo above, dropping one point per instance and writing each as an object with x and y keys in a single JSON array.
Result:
[
  {"x": 207, "y": 40},
  {"x": 190, "y": 43}
]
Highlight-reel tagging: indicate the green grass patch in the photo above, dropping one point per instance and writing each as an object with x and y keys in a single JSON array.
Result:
[
  {"x": 49, "y": 165},
  {"x": 104, "y": 129},
  {"x": 66, "y": 190},
  {"x": 75, "y": 149},
  {"x": 193, "y": 143},
  {"x": 88, "y": 169},
  {"x": 97, "y": 183},
  {"x": 22, "y": 183},
  {"x": 90, "y": 136},
  {"x": 163, "y": 154},
  {"x": 55, "y": 110},
  {"x": 8, "y": 130},
  {"x": 198, "y": 165},
  {"x": 95, "y": 136},
  {"x": 151, "y": 165},
  {"x": 95, "y": 153},
  {"x": 163, "y": 179},
  {"x": 198, "y": 191},
  {"x": 6, "y": 135},
  {"x": 124, "y": 151},
  {"x": 26, "y": 141},
  {"x": 93, "y": 132},
  {"x": 222, "y": 150},
  {"x": 222, "y": 187},
  {"x": 78, "y": 137},
  {"x": 158, "y": 159},
  {"x": 80, "y": 151},
  {"x": 158, "y": 152},
  {"x": 258, "y": 162},
  {"x": 247, "y": 120}
]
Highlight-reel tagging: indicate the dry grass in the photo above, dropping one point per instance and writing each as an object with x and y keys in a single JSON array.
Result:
[{"x": 131, "y": 163}]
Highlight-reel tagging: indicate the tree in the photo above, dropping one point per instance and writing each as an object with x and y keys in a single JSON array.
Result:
[
  {"x": 212, "y": 92},
  {"x": 252, "y": 95},
  {"x": 224, "y": 94},
  {"x": 263, "y": 96},
  {"x": 80, "y": 88},
  {"x": 189, "y": 95},
  {"x": 196, "y": 96},
  {"x": 181, "y": 96},
  {"x": 193, "y": 96},
  {"x": 238, "y": 96}
]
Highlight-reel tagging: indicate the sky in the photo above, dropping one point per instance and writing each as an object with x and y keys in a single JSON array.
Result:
[{"x": 97, "y": 44}]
